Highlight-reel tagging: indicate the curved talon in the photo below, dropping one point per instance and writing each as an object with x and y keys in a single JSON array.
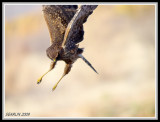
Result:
[
  {"x": 55, "y": 86},
  {"x": 39, "y": 80}
]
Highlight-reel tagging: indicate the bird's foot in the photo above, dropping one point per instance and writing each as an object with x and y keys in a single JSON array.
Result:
[
  {"x": 54, "y": 87},
  {"x": 39, "y": 80}
]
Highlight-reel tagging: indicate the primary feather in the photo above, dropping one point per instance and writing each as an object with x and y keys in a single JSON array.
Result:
[{"x": 74, "y": 32}]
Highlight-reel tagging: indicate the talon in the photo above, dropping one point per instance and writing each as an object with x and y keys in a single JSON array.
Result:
[
  {"x": 39, "y": 80},
  {"x": 54, "y": 87}
]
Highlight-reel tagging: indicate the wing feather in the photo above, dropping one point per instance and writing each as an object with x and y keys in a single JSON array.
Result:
[
  {"x": 74, "y": 31},
  {"x": 57, "y": 18}
]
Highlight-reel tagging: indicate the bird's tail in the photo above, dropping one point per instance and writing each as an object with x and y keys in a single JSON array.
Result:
[{"x": 87, "y": 62}]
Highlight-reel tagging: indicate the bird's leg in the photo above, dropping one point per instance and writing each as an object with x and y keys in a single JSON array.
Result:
[
  {"x": 52, "y": 65},
  {"x": 66, "y": 71}
]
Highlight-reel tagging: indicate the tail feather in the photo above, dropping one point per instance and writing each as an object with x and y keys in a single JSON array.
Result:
[{"x": 87, "y": 62}]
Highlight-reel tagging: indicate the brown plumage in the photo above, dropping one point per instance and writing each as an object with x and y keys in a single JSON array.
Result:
[{"x": 65, "y": 25}]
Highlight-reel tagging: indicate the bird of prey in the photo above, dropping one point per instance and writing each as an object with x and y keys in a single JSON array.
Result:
[{"x": 65, "y": 25}]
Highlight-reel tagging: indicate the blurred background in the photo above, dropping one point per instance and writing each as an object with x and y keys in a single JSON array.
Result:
[{"x": 119, "y": 41}]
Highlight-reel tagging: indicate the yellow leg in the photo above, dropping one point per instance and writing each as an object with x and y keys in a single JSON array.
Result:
[
  {"x": 54, "y": 87},
  {"x": 40, "y": 79},
  {"x": 52, "y": 65},
  {"x": 66, "y": 71}
]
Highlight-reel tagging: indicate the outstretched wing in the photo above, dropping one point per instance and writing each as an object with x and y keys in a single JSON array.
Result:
[
  {"x": 74, "y": 31},
  {"x": 57, "y": 18}
]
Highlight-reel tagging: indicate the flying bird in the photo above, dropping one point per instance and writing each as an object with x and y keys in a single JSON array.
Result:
[{"x": 65, "y": 25}]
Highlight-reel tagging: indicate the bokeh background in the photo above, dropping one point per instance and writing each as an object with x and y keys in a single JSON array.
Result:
[{"x": 119, "y": 41}]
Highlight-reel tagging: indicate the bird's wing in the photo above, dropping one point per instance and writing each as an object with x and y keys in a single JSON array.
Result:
[
  {"x": 74, "y": 31},
  {"x": 57, "y": 18}
]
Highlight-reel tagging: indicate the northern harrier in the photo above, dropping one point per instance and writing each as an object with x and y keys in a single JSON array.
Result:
[{"x": 65, "y": 24}]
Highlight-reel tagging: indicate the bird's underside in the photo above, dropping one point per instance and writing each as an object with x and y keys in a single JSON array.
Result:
[{"x": 65, "y": 25}]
